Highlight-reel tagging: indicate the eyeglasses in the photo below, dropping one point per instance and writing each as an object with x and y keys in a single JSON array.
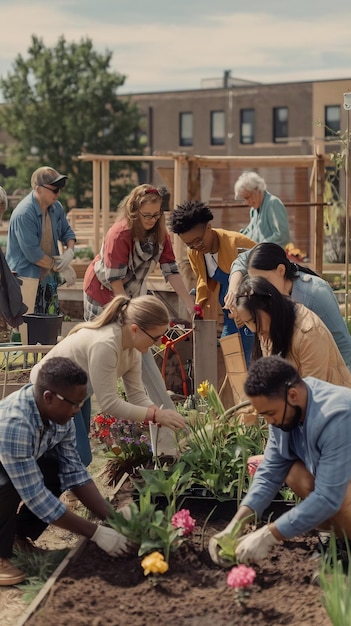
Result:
[
  {"x": 150, "y": 216},
  {"x": 154, "y": 339},
  {"x": 197, "y": 243},
  {"x": 56, "y": 190},
  {"x": 76, "y": 405}
]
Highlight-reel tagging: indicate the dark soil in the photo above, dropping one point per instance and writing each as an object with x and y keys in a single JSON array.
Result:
[{"x": 98, "y": 590}]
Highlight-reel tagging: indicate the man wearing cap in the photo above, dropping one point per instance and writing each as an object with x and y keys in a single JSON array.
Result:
[{"x": 36, "y": 226}]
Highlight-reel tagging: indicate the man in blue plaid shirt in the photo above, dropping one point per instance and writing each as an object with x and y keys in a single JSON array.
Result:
[{"x": 39, "y": 461}]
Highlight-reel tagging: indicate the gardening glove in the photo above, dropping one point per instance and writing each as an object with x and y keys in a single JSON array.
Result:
[
  {"x": 69, "y": 276},
  {"x": 110, "y": 541},
  {"x": 255, "y": 546},
  {"x": 63, "y": 261},
  {"x": 214, "y": 548}
]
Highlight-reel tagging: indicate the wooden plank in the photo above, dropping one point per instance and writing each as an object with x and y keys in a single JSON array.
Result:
[
  {"x": 70, "y": 557},
  {"x": 205, "y": 351}
]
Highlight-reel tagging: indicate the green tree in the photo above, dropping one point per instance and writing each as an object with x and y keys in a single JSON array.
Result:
[{"x": 61, "y": 102}]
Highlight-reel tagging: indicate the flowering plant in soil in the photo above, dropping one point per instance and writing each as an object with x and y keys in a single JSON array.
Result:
[
  {"x": 150, "y": 527},
  {"x": 127, "y": 443},
  {"x": 218, "y": 446},
  {"x": 241, "y": 578}
]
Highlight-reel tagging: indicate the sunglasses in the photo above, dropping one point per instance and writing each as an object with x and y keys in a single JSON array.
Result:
[
  {"x": 76, "y": 405},
  {"x": 56, "y": 190}
]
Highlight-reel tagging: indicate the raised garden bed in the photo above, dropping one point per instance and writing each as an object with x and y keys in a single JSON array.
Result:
[{"x": 98, "y": 590}]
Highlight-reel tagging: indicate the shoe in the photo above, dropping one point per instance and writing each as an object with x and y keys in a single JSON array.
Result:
[
  {"x": 24, "y": 544},
  {"x": 9, "y": 574}
]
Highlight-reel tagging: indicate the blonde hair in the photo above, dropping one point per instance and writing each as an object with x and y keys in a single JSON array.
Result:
[
  {"x": 3, "y": 200},
  {"x": 129, "y": 208},
  {"x": 144, "y": 311}
]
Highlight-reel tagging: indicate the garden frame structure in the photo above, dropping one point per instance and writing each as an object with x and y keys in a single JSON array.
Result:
[{"x": 174, "y": 165}]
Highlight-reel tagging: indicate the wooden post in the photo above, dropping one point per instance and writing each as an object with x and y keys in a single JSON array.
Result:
[
  {"x": 105, "y": 196},
  {"x": 96, "y": 203},
  {"x": 320, "y": 176},
  {"x": 205, "y": 352}
]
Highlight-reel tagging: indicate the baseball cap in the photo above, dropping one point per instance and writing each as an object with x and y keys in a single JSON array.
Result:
[{"x": 48, "y": 176}]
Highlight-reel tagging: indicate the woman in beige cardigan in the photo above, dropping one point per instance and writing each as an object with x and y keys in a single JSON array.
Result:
[{"x": 291, "y": 330}]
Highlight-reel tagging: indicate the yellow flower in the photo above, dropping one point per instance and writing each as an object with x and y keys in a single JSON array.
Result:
[
  {"x": 203, "y": 388},
  {"x": 154, "y": 563}
]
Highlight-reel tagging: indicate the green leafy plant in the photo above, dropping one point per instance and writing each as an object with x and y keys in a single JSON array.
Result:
[
  {"x": 218, "y": 447},
  {"x": 144, "y": 523},
  {"x": 336, "y": 586},
  {"x": 228, "y": 544}
]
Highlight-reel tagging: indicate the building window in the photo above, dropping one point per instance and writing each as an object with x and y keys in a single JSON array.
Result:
[
  {"x": 280, "y": 124},
  {"x": 331, "y": 120},
  {"x": 217, "y": 128},
  {"x": 185, "y": 129},
  {"x": 247, "y": 126}
]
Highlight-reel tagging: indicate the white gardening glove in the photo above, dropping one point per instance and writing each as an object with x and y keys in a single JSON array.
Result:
[
  {"x": 63, "y": 261},
  {"x": 69, "y": 275},
  {"x": 110, "y": 541},
  {"x": 255, "y": 546}
]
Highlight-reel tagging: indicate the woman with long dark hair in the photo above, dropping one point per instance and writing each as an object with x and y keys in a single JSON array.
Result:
[
  {"x": 291, "y": 330},
  {"x": 304, "y": 286}
]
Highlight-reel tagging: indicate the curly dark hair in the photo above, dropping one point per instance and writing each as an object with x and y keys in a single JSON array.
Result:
[
  {"x": 269, "y": 375},
  {"x": 188, "y": 215},
  {"x": 256, "y": 294}
]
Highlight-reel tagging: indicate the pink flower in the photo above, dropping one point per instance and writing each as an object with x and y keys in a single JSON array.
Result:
[
  {"x": 253, "y": 463},
  {"x": 241, "y": 576},
  {"x": 183, "y": 520}
]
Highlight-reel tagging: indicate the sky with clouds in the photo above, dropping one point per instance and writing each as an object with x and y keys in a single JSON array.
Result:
[{"x": 165, "y": 45}]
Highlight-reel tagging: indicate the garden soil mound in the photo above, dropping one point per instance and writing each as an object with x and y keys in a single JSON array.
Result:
[{"x": 97, "y": 590}]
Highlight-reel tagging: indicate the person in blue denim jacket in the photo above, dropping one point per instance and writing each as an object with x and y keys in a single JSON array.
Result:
[
  {"x": 36, "y": 226},
  {"x": 308, "y": 449}
]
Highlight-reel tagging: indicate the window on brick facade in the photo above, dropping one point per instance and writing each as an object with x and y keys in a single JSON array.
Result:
[
  {"x": 247, "y": 126},
  {"x": 217, "y": 128},
  {"x": 331, "y": 120},
  {"x": 280, "y": 124},
  {"x": 185, "y": 129}
]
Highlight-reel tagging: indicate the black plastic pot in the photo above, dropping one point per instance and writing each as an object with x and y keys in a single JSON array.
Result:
[{"x": 43, "y": 328}]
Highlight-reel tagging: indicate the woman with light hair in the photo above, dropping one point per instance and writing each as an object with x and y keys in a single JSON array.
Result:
[
  {"x": 268, "y": 216},
  {"x": 110, "y": 347},
  {"x": 134, "y": 244}
]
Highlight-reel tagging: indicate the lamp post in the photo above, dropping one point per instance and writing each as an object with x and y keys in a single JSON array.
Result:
[{"x": 347, "y": 107}]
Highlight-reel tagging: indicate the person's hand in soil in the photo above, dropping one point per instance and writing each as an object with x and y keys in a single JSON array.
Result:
[
  {"x": 239, "y": 521},
  {"x": 111, "y": 541},
  {"x": 255, "y": 546}
]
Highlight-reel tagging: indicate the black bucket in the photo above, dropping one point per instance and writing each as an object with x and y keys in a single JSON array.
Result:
[{"x": 43, "y": 328}]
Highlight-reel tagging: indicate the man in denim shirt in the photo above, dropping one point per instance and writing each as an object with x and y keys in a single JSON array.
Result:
[
  {"x": 309, "y": 449},
  {"x": 39, "y": 460},
  {"x": 36, "y": 226}
]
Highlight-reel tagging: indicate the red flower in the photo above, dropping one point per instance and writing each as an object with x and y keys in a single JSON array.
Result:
[{"x": 198, "y": 312}]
